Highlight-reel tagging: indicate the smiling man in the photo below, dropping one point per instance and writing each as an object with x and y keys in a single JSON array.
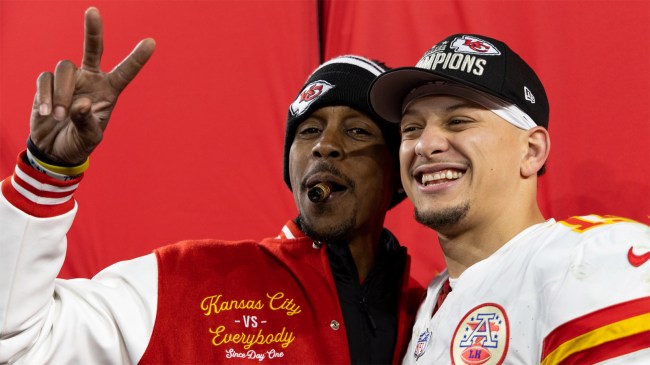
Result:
[
  {"x": 333, "y": 287},
  {"x": 519, "y": 288}
]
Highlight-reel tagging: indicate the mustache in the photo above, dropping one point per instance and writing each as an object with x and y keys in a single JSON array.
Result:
[{"x": 328, "y": 168}]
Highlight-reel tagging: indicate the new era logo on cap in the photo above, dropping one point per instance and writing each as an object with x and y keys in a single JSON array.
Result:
[
  {"x": 529, "y": 95},
  {"x": 309, "y": 95}
]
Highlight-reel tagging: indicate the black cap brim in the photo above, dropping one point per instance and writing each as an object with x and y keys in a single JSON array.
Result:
[{"x": 388, "y": 91}]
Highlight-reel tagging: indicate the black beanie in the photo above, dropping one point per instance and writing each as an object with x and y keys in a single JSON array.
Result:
[{"x": 341, "y": 81}]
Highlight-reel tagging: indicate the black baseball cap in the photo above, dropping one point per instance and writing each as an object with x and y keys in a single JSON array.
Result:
[{"x": 478, "y": 62}]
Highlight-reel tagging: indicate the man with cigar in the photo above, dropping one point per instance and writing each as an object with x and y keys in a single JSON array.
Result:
[
  {"x": 332, "y": 288},
  {"x": 519, "y": 288}
]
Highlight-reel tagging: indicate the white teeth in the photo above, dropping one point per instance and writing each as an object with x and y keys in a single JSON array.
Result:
[{"x": 441, "y": 176}]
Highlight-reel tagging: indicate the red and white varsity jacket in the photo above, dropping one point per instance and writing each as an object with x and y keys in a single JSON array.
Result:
[{"x": 193, "y": 302}]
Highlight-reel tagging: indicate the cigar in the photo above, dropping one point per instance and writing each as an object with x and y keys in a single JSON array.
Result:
[{"x": 319, "y": 192}]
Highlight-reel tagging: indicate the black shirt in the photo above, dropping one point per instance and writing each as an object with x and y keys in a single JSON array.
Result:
[{"x": 370, "y": 307}]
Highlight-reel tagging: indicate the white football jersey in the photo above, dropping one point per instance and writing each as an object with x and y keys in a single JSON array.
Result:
[{"x": 571, "y": 292}]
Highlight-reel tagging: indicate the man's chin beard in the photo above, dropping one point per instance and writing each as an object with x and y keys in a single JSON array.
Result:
[
  {"x": 441, "y": 219},
  {"x": 338, "y": 234}
]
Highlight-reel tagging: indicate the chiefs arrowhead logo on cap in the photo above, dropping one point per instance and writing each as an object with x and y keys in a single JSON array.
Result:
[{"x": 474, "y": 45}]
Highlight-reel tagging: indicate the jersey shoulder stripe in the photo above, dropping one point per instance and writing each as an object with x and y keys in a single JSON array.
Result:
[{"x": 600, "y": 335}]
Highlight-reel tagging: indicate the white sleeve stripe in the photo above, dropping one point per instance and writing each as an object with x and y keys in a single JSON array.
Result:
[
  {"x": 42, "y": 186},
  {"x": 287, "y": 232},
  {"x": 38, "y": 199}
]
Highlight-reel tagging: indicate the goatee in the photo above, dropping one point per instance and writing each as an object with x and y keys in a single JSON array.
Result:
[
  {"x": 337, "y": 234},
  {"x": 443, "y": 218}
]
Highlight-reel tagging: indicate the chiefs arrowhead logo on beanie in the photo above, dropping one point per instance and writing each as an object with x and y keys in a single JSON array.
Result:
[
  {"x": 310, "y": 94},
  {"x": 341, "y": 81}
]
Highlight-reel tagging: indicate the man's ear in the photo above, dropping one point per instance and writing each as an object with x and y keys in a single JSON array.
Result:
[{"x": 539, "y": 145}]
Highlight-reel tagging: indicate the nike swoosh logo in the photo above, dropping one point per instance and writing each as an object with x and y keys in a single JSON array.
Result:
[{"x": 637, "y": 260}]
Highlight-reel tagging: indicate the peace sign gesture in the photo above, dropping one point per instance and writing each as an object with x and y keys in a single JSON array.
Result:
[{"x": 72, "y": 106}]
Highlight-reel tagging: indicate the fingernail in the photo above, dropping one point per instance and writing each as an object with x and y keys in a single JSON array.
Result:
[
  {"x": 44, "y": 109},
  {"x": 59, "y": 113}
]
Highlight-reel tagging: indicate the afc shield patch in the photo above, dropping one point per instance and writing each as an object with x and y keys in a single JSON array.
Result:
[
  {"x": 309, "y": 95},
  {"x": 481, "y": 337}
]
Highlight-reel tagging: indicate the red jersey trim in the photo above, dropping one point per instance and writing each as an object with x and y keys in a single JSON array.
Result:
[{"x": 625, "y": 326}]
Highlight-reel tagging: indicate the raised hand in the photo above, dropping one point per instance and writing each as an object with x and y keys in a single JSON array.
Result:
[{"x": 72, "y": 106}]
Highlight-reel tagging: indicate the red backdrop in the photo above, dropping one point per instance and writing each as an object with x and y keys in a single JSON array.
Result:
[{"x": 194, "y": 148}]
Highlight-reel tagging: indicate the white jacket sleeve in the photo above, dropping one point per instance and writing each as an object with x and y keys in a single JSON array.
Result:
[{"x": 108, "y": 319}]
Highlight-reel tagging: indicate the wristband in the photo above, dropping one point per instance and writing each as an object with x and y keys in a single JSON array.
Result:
[
  {"x": 28, "y": 158},
  {"x": 68, "y": 171},
  {"x": 42, "y": 157},
  {"x": 59, "y": 168}
]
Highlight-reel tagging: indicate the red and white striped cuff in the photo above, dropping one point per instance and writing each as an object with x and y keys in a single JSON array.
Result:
[{"x": 37, "y": 194}]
